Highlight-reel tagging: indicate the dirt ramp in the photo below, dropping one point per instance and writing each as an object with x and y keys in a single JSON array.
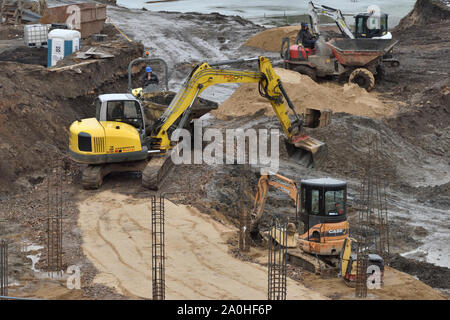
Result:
[
  {"x": 270, "y": 39},
  {"x": 117, "y": 239},
  {"x": 425, "y": 12},
  {"x": 306, "y": 93}
]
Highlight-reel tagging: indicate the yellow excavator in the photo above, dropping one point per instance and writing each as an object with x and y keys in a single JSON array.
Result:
[{"x": 117, "y": 138}]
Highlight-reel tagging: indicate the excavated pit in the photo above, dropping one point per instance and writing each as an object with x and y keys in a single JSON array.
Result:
[{"x": 42, "y": 104}]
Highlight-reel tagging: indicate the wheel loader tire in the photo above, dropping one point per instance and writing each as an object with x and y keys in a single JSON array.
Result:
[
  {"x": 363, "y": 78},
  {"x": 92, "y": 177},
  {"x": 306, "y": 71}
]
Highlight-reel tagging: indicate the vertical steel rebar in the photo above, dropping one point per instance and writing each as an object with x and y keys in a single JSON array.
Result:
[
  {"x": 372, "y": 213},
  {"x": 158, "y": 248},
  {"x": 277, "y": 261},
  {"x": 244, "y": 224},
  {"x": 3, "y": 267},
  {"x": 55, "y": 203}
]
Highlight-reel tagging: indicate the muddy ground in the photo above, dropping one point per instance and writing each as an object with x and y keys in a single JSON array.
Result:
[{"x": 415, "y": 160}]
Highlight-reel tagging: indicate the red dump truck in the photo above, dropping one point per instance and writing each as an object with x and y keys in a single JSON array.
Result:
[{"x": 359, "y": 60}]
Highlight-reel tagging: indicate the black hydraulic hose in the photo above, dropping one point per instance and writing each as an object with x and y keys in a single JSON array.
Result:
[
  {"x": 227, "y": 62},
  {"x": 289, "y": 102}
]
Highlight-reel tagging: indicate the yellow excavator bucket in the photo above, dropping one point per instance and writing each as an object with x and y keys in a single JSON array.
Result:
[{"x": 306, "y": 150}]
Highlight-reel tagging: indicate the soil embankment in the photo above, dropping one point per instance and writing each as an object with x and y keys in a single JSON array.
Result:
[
  {"x": 424, "y": 13},
  {"x": 38, "y": 105}
]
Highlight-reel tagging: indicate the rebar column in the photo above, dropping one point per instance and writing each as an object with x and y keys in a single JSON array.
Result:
[
  {"x": 361, "y": 273},
  {"x": 55, "y": 205},
  {"x": 3, "y": 268},
  {"x": 158, "y": 251},
  {"x": 276, "y": 267}
]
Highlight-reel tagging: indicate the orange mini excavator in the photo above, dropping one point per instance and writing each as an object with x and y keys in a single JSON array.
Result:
[{"x": 320, "y": 211}]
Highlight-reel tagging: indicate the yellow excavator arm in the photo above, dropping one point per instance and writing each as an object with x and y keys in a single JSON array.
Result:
[{"x": 204, "y": 76}]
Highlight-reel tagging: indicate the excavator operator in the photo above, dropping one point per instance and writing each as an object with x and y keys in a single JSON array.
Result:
[{"x": 305, "y": 37}]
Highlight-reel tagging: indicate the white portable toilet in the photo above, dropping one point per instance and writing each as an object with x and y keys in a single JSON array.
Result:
[{"x": 61, "y": 43}]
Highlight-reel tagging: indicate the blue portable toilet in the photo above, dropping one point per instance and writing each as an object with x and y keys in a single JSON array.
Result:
[{"x": 61, "y": 43}]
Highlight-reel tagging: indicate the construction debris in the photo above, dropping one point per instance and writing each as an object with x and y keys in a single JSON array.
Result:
[
  {"x": 94, "y": 53},
  {"x": 19, "y": 11}
]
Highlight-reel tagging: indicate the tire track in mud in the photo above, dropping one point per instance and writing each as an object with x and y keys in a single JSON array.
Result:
[{"x": 117, "y": 239}]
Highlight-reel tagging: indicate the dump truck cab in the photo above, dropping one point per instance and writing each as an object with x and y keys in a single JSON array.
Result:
[
  {"x": 323, "y": 213},
  {"x": 368, "y": 25}
]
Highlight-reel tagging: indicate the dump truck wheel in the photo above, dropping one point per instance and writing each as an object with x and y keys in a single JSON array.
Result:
[
  {"x": 363, "y": 78},
  {"x": 306, "y": 71}
]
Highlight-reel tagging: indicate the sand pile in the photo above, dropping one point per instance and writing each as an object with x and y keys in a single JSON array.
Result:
[
  {"x": 270, "y": 40},
  {"x": 306, "y": 93},
  {"x": 116, "y": 233}
]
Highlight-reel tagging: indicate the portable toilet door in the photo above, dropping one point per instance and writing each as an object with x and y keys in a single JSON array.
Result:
[{"x": 61, "y": 43}]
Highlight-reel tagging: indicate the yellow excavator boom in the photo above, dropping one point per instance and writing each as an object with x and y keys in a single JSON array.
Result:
[{"x": 205, "y": 75}]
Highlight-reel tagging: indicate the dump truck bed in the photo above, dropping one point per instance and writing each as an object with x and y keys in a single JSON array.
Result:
[{"x": 360, "y": 52}]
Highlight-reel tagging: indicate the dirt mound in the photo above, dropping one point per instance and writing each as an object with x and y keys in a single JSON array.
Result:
[
  {"x": 403, "y": 161},
  {"x": 270, "y": 39},
  {"x": 306, "y": 93},
  {"x": 425, "y": 12},
  {"x": 427, "y": 124}
]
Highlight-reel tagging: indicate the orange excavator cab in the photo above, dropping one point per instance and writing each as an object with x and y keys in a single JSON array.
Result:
[{"x": 323, "y": 215}]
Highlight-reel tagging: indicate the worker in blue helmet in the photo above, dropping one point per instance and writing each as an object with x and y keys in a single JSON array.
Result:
[{"x": 149, "y": 77}]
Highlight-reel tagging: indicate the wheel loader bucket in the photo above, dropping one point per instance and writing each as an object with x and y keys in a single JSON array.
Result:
[{"x": 306, "y": 150}]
